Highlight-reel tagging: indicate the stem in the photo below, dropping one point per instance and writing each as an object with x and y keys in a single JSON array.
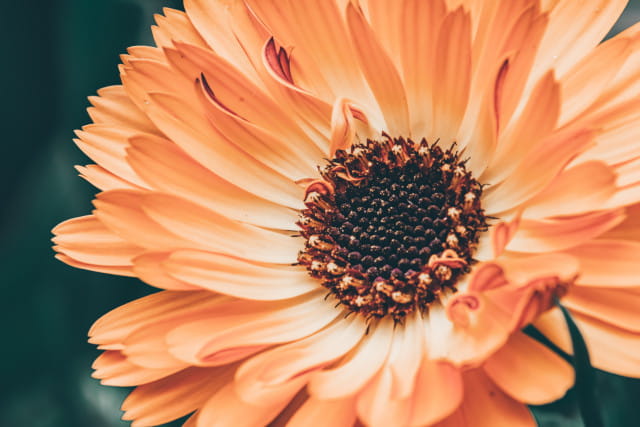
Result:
[{"x": 585, "y": 380}]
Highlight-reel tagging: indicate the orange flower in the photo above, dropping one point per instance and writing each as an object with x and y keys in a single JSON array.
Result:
[{"x": 353, "y": 208}]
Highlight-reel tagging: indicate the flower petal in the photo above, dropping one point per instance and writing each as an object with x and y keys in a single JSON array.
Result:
[
  {"x": 106, "y": 145},
  {"x": 535, "y": 121},
  {"x": 591, "y": 76},
  {"x": 528, "y": 371},
  {"x": 215, "y": 23},
  {"x": 419, "y": 31},
  {"x": 175, "y": 25},
  {"x": 487, "y": 406},
  {"x": 115, "y": 326},
  {"x": 377, "y": 407},
  {"x": 208, "y": 229},
  {"x": 149, "y": 268},
  {"x": 168, "y": 169},
  {"x": 565, "y": 233},
  {"x": 227, "y": 408},
  {"x": 271, "y": 369},
  {"x": 611, "y": 348},
  {"x": 629, "y": 229},
  {"x": 320, "y": 34},
  {"x": 112, "y": 368},
  {"x": 453, "y": 66},
  {"x": 121, "y": 212},
  {"x": 380, "y": 72},
  {"x": 350, "y": 376},
  {"x": 617, "y": 307},
  {"x": 113, "y": 107},
  {"x": 590, "y": 184},
  {"x": 237, "y": 277},
  {"x": 174, "y": 396},
  {"x": 87, "y": 240},
  {"x": 181, "y": 117},
  {"x": 439, "y": 391},
  {"x": 325, "y": 413},
  {"x": 575, "y": 28},
  {"x": 233, "y": 334},
  {"x": 104, "y": 180},
  {"x": 610, "y": 263}
]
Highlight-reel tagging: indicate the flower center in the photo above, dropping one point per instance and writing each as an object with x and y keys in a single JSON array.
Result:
[{"x": 391, "y": 225}]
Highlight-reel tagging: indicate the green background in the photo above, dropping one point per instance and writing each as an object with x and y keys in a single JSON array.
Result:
[{"x": 55, "y": 54}]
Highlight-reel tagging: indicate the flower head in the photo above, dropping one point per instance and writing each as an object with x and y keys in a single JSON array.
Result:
[{"x": 354, "y": 207}]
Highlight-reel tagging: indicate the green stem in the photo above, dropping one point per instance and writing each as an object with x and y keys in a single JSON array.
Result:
[{"x": 585, "y": 386}]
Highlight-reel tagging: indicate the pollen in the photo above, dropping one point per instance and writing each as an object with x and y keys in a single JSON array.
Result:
[{"x": 391, "y": 225}]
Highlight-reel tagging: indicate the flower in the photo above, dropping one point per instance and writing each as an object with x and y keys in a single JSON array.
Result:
[{"x": 354, "y": 208}]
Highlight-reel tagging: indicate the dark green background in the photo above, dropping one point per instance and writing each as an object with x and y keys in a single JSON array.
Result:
[{"x": 55, "y": 54}]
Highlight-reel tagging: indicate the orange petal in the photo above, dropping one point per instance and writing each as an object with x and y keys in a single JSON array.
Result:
[
  {"x": 380, "y": 72},
  {"x": 535, "y": 122},
  {"x": 485, "y": 405},
  {"x": 108, "y": 269},
  {"x": 146, "y": 345},
  {"x": 343, "y": 129},
  {"x": 453, "y": 66},
  {"x": 474, "y": 327},
  {"x": 149, "y": 269},
  {"x": 175, "y": 25},
  {"x": 418, "y": 33},
  {"x": 497, "y": 302},
  {"x": 113, "y": 107},
  {"x": 591, "y": 76},
  {"x": 528, "y": 371},
  {"x": 112, "y": 368},
  {"x": 629, "y": 229},
  {"x": 610, "y": 263},
  {"x": 575, "y": 28},
  {"x": 237, "y": 277},
  {"x": 405, "y": 357},
  {"x": 168, "y": 169},
  {"x": 227, "y": 408},
  {"x": 210, "y": 230},
  {"x": 115, "y": 326},
  {"x": 295, "y": 158},
  {"x": 358, "y": 368},
  {"x": 231, "y": 90},
  {"x": 565, "y": 233},
  {"x": 106, "y": 145},
  {"x": 377, "y": 407},
  {"x": 325, "y": 413},
  {"x": 617, "y": 307},
  {"x": 87, "y": 240},
  {"x": 121, "y": 212},
  {"x": 513, "y": 92},
  {"x": 438, "y": 392},
  {"x": 216, "y": 24},
  {"x": 616, "y": 136},
  {"x": 548, "y": 160},
  {"x": 183, "y": 120},
  {"x": 104, "y": 180},
  {"x": 611, "y": 348},
  {"x": 590, "y": 184},
  {"x": 320, "y": 34},
  {"x": 175, "y": 396},
  {"x": 231, "y": 335},
  {"x": 259, "y": 376}
]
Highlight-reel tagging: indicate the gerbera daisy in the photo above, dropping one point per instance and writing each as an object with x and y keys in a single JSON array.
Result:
[{"x": 354, "y": 207}]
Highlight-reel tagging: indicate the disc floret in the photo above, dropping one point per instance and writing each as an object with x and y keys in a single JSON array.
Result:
[{"x": 391, "y": 225}]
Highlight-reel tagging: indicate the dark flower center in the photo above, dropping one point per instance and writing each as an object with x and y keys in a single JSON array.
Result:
[{"x": 391, "y": 225}]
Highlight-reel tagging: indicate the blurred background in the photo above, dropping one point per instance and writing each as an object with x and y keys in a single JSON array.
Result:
[{"x": 57, "y": 53}]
